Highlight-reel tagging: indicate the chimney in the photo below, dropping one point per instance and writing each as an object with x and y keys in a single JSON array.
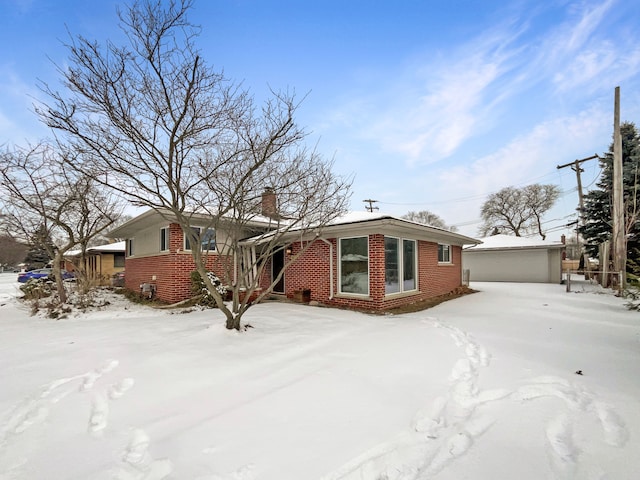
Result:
[
  {"x": 563, "y": 239},
  {"x": 269, "y": 203}
]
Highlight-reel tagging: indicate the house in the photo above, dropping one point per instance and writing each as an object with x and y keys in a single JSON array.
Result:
[
  {"x": 505, "y": 258},
  {"x": 362, "y": 260},
  {"x": 101, "y": 262},
  {"x": 372, "y": 261}
]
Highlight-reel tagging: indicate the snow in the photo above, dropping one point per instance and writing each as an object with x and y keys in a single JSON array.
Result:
[
  {"x": 482, "y": 387},
  {"x": 502, "y": 241},
  {"x": 108, "y": 247}
]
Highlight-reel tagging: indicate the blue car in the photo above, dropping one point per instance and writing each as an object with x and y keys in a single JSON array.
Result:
[{"x": 42, "y": 273}]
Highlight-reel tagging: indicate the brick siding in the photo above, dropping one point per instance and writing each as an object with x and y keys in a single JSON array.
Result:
[
  {"x": 169, "y": 272},
  {"x": 311, "y": 270}
]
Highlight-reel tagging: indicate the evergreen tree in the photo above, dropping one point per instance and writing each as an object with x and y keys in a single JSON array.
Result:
[
  {"x": 598, "y": 203},
  {"x": 41, "y": 250}
]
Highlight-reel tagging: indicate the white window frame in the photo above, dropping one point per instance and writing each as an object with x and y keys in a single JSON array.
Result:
[
  {"x": 340, "y": 267},
  {"x": 164, "y": 235},
  {"x": 130, "y": 247},
  {"x": 445, "y": 248},
  {"x": 415, "y": 263},
  {"x": 187, "y": 248},
  {"x": 401, "y": 259},
  {"x": 185, "y": 241}
]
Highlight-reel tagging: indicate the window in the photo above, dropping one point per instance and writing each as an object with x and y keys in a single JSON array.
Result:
[
  {"x": 164, "y": 239},
  {"x": 129, "y": 247},
  {"x": 444, "y": 253},
  {"x": 187, "y": 242},
  {"x": 118, "y": 259},
  {"x": 354, "y": 265},
  {"x": 409, "y": 267},
  {"x": 400, "y": 265},
  {"x": 391, "y": 265},
  {"x": 207, "y": 239}
]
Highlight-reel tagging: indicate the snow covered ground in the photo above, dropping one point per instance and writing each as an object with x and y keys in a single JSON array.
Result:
[{"x": 482, "y": 387}]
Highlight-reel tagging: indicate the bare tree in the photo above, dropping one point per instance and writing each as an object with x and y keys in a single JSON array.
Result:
[
  {"x": 178, "y": 137},
  {"x": 518, "y": 211},
  {"x": 44, "y": 199},
  {"x": 428, "y": 218}
]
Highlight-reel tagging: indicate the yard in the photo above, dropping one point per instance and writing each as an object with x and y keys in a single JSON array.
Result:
[{"x": 520, "y": 381}]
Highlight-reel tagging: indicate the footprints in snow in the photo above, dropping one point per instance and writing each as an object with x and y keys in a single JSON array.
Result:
[
  {"x": 137, "y": 463},
  {"x": 35, "y": 409},
  {"x": 448, "y": 428},
  {"x": 100, "y": 404}
]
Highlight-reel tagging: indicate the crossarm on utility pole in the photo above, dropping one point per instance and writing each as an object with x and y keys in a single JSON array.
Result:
[{"x": 575, "y": 166}]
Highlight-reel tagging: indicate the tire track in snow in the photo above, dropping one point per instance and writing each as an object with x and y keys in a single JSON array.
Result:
[{"x": 449, "y": 427}]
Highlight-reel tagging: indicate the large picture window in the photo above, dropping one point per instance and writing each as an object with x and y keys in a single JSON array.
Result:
[
  {"x": 400, "y": 265},
  {"x": 444, "y": 253},
  {"x": 354, "y": 265}
]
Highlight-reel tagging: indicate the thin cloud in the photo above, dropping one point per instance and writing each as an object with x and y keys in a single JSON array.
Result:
[
  {"x": 529, "y": 158},
  {"x": 437, "y": 106},
  {"x": 440, "y": 105},
  {"x": 17, "y": 120}
]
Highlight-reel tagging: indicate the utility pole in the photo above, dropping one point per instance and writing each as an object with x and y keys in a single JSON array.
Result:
[
  {"x": 575, "y": 166},
  {"x": 619, "y": 239},
  {"x": 370, "y": 208}
]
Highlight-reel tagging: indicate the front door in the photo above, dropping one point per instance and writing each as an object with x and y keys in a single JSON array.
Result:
[{"x": 277, "y": 266}]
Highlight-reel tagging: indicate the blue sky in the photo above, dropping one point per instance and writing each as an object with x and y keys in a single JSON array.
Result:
[{"x": 432, "y": 105}]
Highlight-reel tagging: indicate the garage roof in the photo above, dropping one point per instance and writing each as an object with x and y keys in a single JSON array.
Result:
[{"x": 507, "y": 242}]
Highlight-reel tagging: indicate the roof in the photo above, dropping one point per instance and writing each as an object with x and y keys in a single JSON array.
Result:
[
  {"x": 358, "y": 222},
  {"x": 153, "y": 217},
  {"x": 116, "y": 247},
  {"x": 510, "y": 242}
]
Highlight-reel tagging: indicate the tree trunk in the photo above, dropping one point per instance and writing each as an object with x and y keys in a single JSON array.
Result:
[
  {"x": 57, "y": 274},
  {"x": 233, "y": 320}
]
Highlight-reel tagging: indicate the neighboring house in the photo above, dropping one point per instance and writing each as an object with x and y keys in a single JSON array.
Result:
[
  {"x": 101, "y": 262},
  {"x": 505, "y": 258},
  {"x": 363, "y": 260}
]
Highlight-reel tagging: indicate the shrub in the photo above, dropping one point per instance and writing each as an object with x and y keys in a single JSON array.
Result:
[
  {"x": 37, "y": 288},
  {"x": 199, "y": 288}
]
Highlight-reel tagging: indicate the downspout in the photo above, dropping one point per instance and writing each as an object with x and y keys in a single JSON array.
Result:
[{"x": 330, "y": 266}]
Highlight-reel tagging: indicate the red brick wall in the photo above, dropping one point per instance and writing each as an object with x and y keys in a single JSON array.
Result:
[
  {"x": 311, "y": 270},
  {"x": 172, "y": 273},
  {"x": 173, "y": 269}
]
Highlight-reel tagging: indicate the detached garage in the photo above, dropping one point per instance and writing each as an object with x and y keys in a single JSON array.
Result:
[{"x": 504, "y": 258}]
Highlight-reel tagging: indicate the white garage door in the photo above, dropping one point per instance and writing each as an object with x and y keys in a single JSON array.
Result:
[{"x": 508, "y": 266}]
